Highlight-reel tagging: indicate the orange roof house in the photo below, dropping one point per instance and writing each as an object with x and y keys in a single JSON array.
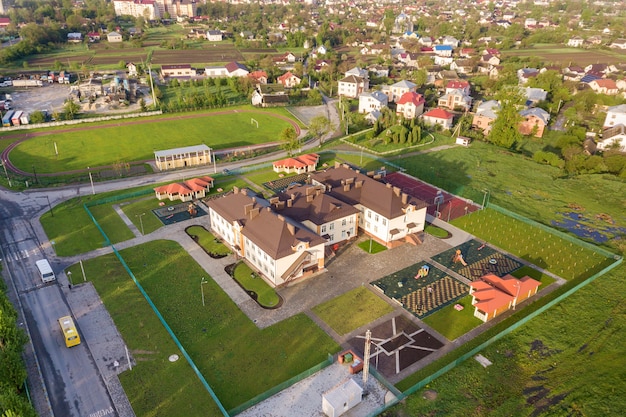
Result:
[
  {"x": 410, "y": 105},
  {"x": 493, "y": 295},
  {"x": 299, "y": 164},
  {"x": 185, "y": 191}
]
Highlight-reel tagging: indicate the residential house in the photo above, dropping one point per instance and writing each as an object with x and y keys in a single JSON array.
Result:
[
  {"x": 281, "y": 250},
  {"x": 321, "y": 65},
  {"x": 467, "y": 52},
  {"x": 534, "y": 95},
  {"x": 455, "y": 99},
  {"x": 246, "y": 34},
  {"x": 289, "y": 80},
  {"x": 535, "y": 120},
  {"x": 575, "y": 42},
  {"x": 175, "y": 71},
  {"x": 439, "y": 117},
  {"x": 486, "y": 114},
  {"x": 618, "y": 43},
  {"x": 372, "y": 116},
  {"x": 443, "y": 61},
  {"x": 450, "y": 41},
  {"x": 332, "y": 219},
  {"x": 259, "y": 77},
  {"x": 489, "y": 60},
  {"x": 148, "y": 9},
  {"x": 621, "y": 84},
  {"x": 425, "y": 40},
  {"x": 493, "y": 295},
  {"x": 573, "y": 73},
  {"x": 214, "y": 35},
  {"x": 298, "y": 164},
  {"x": 269, "y": 95},
  {"x": 395, "y": 91},
  {"x": 379, "y": 70},
  {"x": 189, "y": 190},
  {"x": 594, "y": 40},
  {"x": 443, "y": 50},
  {"x": 132, "y": 69},
  {"x": 352, "y": 86},
  {"x": 235, "y": 69},
  {"x": 74, "y": 37},
  {"x": 613, "y": 138},
  {"x": 524, "y": 74},
  {"x": 410, "y": 105},
  {"x": 388, "y": 215},
  {"x": 462, "y": 66},
  {"x": 456, "y": 85},
  {"x": 93, "y": 36},
  {"x": 114, "y": 37},
  {"x": 372, "y": 100},
  {"x": 604, "y": 86},
  {"x": 615, "y": 115}
]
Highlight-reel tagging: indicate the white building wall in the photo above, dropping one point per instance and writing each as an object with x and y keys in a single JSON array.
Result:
[{"x": 340, "y": 229}]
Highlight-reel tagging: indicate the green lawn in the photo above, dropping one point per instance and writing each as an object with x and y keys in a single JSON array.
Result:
[
  {"x": 114, "y": 142},
  {"x": 371, "y": 246},
  {"x": 352, "y": 310},
  {"x": 535, "y": 245},
  {"x": 453, "y": 323},
  {"x": 207, "y": 241},
  {"x": 238, "y": 360},
  {"x": 436, "y": 231},
  {"x": 139, "y": 211},
  {"x": 250, "y": 281}
]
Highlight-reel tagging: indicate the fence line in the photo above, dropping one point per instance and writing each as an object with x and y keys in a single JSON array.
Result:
[{"x": 79, "y": 121}]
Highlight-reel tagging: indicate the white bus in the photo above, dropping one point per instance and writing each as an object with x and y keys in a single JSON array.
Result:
[{"x": 45, "y": 270}]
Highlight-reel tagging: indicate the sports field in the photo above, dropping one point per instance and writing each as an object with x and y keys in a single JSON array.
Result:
[
  {"x": 94, "y": 146},
  {"x": 563, "y": 56}
]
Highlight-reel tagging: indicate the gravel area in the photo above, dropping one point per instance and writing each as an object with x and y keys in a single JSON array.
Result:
[{"x": 304, "y": 399}]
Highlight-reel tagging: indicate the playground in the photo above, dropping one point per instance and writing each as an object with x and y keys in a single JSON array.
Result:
[
  {"x": 396, "y": 345},
  {"x": 422, "y": 289},
  {"x": 178, "y": 213},
  {"x": 473, "y": 259},
  {"x": 449, "y": 206}
]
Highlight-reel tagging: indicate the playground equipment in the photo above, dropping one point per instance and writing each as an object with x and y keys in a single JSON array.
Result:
[
  {"x": 192, "y": 210},
  {"x": 423, "y": 272},
  {"x": 458, "y": 257}
]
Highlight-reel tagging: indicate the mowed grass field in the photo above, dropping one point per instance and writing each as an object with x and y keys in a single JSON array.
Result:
[
  {"x": 561, "y": 55},
  {"x": 111, "y": 143},
  {"x": 238, "y": 360}
]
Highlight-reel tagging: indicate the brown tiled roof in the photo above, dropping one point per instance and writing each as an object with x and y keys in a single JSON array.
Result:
[
  {"x": 354, "y": 188},
  {"x": 309, "y": 202},
  {"x": 271, "y": 232}
]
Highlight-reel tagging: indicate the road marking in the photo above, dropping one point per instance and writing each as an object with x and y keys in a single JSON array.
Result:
[{"x": 103, "y": 412}]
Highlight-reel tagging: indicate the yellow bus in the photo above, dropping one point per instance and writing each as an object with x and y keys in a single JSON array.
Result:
[{"x": 69, "y": 331}]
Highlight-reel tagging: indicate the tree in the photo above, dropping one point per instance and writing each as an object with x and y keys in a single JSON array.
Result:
[
  {"x": 505, "y": 129},
  {"x": 71, "y": 109},
  {"x": 289, "y": 140},
  {"x": 37, "y": 117},
  {"x": 319, "y": 127}
]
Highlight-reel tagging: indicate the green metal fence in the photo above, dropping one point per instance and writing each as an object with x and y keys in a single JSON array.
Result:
[
  {"x": 278, "y": 388},
  {"x": 146, "y": 296}
]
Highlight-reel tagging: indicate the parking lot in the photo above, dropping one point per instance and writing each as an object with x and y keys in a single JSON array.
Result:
[{"x": 49, "y": 97}]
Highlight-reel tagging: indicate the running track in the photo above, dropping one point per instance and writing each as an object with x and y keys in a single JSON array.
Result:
[{"x": 21, "y": 137}]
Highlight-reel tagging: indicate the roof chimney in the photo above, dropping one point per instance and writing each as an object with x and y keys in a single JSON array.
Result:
[
  {"x": 388, "y": 185},
  {"x": 309, "y": 198},
  {"x": 358, "y": 184},
  {"x": 346, "y": 187},
  {"x": 396, "y": 191},
  {"x": 236, "y": 190},
  {"x": 254, "y": 212},
  {"x": 405, "y": 198},
  {"x": 291, "y": 228},
  {"x": 247, "y": 208},
  {"x": 290, "y": 202}
]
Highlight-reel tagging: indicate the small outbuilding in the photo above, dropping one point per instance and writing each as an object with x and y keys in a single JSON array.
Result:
[
  {"x": 341, "y": 398},
  {"x": 182, "y": 157}
]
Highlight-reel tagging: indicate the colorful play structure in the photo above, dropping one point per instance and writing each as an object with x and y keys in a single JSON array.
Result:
[
  {"x": 423, "y": 272},
  {"x": 458, "y": 257}
]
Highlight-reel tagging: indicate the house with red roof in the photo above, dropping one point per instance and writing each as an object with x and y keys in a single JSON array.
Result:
[
  {"x": 185, "y": 191},
  {"x": 493, "y": 295},
  {"x": 259, "y": 77},
  {"x": 438, "y": 117},
  {"x": 299, "y": 164},
  {"x": 604, "y": 86},
  {"x": 4, "y": 22},
  {"x": 289, "y": 80},
  {"x": 410, "y": 105}
]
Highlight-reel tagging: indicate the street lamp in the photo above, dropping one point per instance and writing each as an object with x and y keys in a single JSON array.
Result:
[
  {"x": 202, "y": 289},
  {"x": 140, "y": 221},
  {"x": 517, "y": 285},
  {"x": 69, "y": 275},
  {"x": 485, "y": 200},
  {"x": 4, "y": 165},
  {"x": 50, "y": 207},
  {"x": 93, "y": 191}
]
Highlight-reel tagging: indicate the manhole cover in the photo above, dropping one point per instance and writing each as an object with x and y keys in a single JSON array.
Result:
[{"x": 173, "y": 358}]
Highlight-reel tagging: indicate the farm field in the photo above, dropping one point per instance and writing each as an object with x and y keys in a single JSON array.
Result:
[
  {"x": 560, "y": 55},
  {"x": 80, "y": 148}
]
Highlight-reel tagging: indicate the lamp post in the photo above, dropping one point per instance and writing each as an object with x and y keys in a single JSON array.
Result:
[
  {"x": 202, "y": 289},
  {"x": 93, "y": 191},
  {"x": 485, "y": 200},
  {"x": 141, "y": 221},
  {"x": 517, "y": 285},
  {"x": 4, "y": 165},
  {"x": 50, "y": 207},
  {"x": 69, "y": 276},
  {"x": 35, "y": 174}
]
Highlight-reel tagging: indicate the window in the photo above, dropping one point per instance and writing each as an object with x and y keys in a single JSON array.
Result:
[
  {"x": 343, "y": 234},
  {"x": 332, "y": 226},
  {"x": 323, "y": 228},
  {"x": 384, "y": 222},
  {"x": 332, "y": 237},
  {"x": 375, "y": 229},
  {"x": 367, "y": 225},
  {"x": 376, "y": 218},
  {"x": 369, "y": 214},
  {"x": 343, "y": 222}
]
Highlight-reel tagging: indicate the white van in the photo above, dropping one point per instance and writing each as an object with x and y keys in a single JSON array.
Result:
[{"x": 45, "y": 270}]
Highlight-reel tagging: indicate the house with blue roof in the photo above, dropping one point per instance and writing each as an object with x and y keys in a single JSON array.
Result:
[{"x": 443, "y": 50}]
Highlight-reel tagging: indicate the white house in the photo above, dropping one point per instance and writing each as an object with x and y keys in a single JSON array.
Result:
[
  {"x": 410, "y": 105},
  {"x": 439, "y": 117},
  {"x": 613, "y": 138},
  {"x": 575, "y": 42},
  {"x": 395, "y": 91},
  {"x": 351, "y": 86},
  {"x": 615, "y": 115},
  {"x": 114, "y": 37},
  {"x": 370, "y": 101},
  {"x": 214, "y": 35}
]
